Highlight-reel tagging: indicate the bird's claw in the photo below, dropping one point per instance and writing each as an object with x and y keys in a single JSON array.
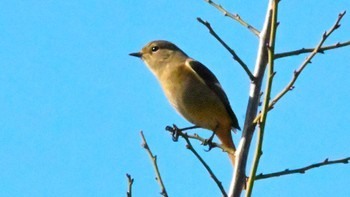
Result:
[
  {"x": 209, "y": 142},
  {"x": 174, "y": 130}
]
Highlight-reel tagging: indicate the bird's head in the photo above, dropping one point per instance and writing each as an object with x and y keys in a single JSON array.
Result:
[{"x": 157, "y": 54}]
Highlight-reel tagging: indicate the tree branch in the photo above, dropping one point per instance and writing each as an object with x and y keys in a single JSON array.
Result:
[
  {"x": 308, "y": 50},
  {"x": 130, "y": 182},
  {"x": 307, "y": 61},
  {"x": 234, "y": 16},
  {"x": 233, "y": 53},
  {"x": 190, "y": 147},
  {"x": 238, "y": 179},
  {"x": 154, "y": 161},
  {"x": 263, "y": 119},
  {"x": 302, "y": 170},
  {"x": 175, "y": 134}
]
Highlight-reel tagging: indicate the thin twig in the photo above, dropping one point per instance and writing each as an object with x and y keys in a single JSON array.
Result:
[
  {"x": 213, "y": 144},
  {"x": 204, "y": 141},
  {"x": 307, "y": 61},
  {"x": 206, "y": 166},
  {"x": 154, "y": 161},
  {"x": 302, "y": 170},
  {"x": 270, "y": 76},
  {"x": 235, "y": 17},
  {"x": 309, "y": 50},
  {"x": 233, "y": 53},
  {"x": 130, "y": 182}
]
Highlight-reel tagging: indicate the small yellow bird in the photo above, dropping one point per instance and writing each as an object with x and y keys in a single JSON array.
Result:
[{"x": 192, "y": 89}]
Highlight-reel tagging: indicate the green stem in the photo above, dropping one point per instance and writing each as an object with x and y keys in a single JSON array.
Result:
[{"x": 262, "y": 121}]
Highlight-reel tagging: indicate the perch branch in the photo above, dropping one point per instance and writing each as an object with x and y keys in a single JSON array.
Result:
[
  {"x": 155, "y": 165},
  {"x": 175, "y": 134},
  {"x": 234, "y": 17},
  {"x": 302, "y": 170},
  {"x": 233, "y": 53}
]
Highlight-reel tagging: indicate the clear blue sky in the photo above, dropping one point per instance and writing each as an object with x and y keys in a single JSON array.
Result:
[{"x": 72, "y": 102}]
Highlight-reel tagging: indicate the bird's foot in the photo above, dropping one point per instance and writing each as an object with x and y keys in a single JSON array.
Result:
[
  {"x": 209, "y": 142},
  {"x": 175, "y": 132}
]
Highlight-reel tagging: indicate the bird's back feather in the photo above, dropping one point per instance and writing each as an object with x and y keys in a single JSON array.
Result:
[{"x": 212, "y": 82}]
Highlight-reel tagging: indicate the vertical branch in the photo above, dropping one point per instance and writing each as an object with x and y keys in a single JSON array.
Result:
[
  {"x": 238, "y": 179},
  {"x": 265, "y": 109}
]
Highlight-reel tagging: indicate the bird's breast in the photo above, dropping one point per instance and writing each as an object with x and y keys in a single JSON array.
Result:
[{"x": 193, "y": 99}]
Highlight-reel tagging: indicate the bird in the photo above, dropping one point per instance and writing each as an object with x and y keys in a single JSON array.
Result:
[{"x": 192, "y": 89}]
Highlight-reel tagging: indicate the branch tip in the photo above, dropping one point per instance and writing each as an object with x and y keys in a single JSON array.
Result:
[
  {"x": 235, "y": 17},
  {"x": 342, "y": 14},
  {"x": 155, "y": 165},
  {"x": 130, "y": 183}
]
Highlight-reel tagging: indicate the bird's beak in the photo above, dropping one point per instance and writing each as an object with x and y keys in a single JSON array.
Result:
[{"x": 138, "y": 54}]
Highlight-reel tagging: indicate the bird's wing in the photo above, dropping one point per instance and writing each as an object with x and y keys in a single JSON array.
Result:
[{"x": 213, "y": 83}]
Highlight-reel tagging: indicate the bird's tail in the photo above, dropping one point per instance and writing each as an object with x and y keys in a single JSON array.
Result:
[{"x": 226, "y": 140}]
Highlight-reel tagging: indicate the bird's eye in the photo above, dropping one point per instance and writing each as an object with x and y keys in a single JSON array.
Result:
[{"x": 155, "y": 48}]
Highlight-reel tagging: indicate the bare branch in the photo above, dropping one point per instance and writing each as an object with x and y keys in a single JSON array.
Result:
[
  {"x": 307, "y": 61},
  {"x": 239, "y": 175},
  {"x": 309, "y": 50},
  {"x": 302, "y": 170},
  {"x": 212, "y": 144},
  {"x": 270, "y": 76},
  {"x": 189, "y": 146},
  {"x": 130, "y": 182},
  {"x": 154, "y": 161},
  {"x": 233, "y": 53},
  {"x": 175, "y": 134},
  {"x": 235, "y": 17}
]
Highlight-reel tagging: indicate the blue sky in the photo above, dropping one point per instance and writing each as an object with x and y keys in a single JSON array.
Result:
[{"x": 73, "y": 102}]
